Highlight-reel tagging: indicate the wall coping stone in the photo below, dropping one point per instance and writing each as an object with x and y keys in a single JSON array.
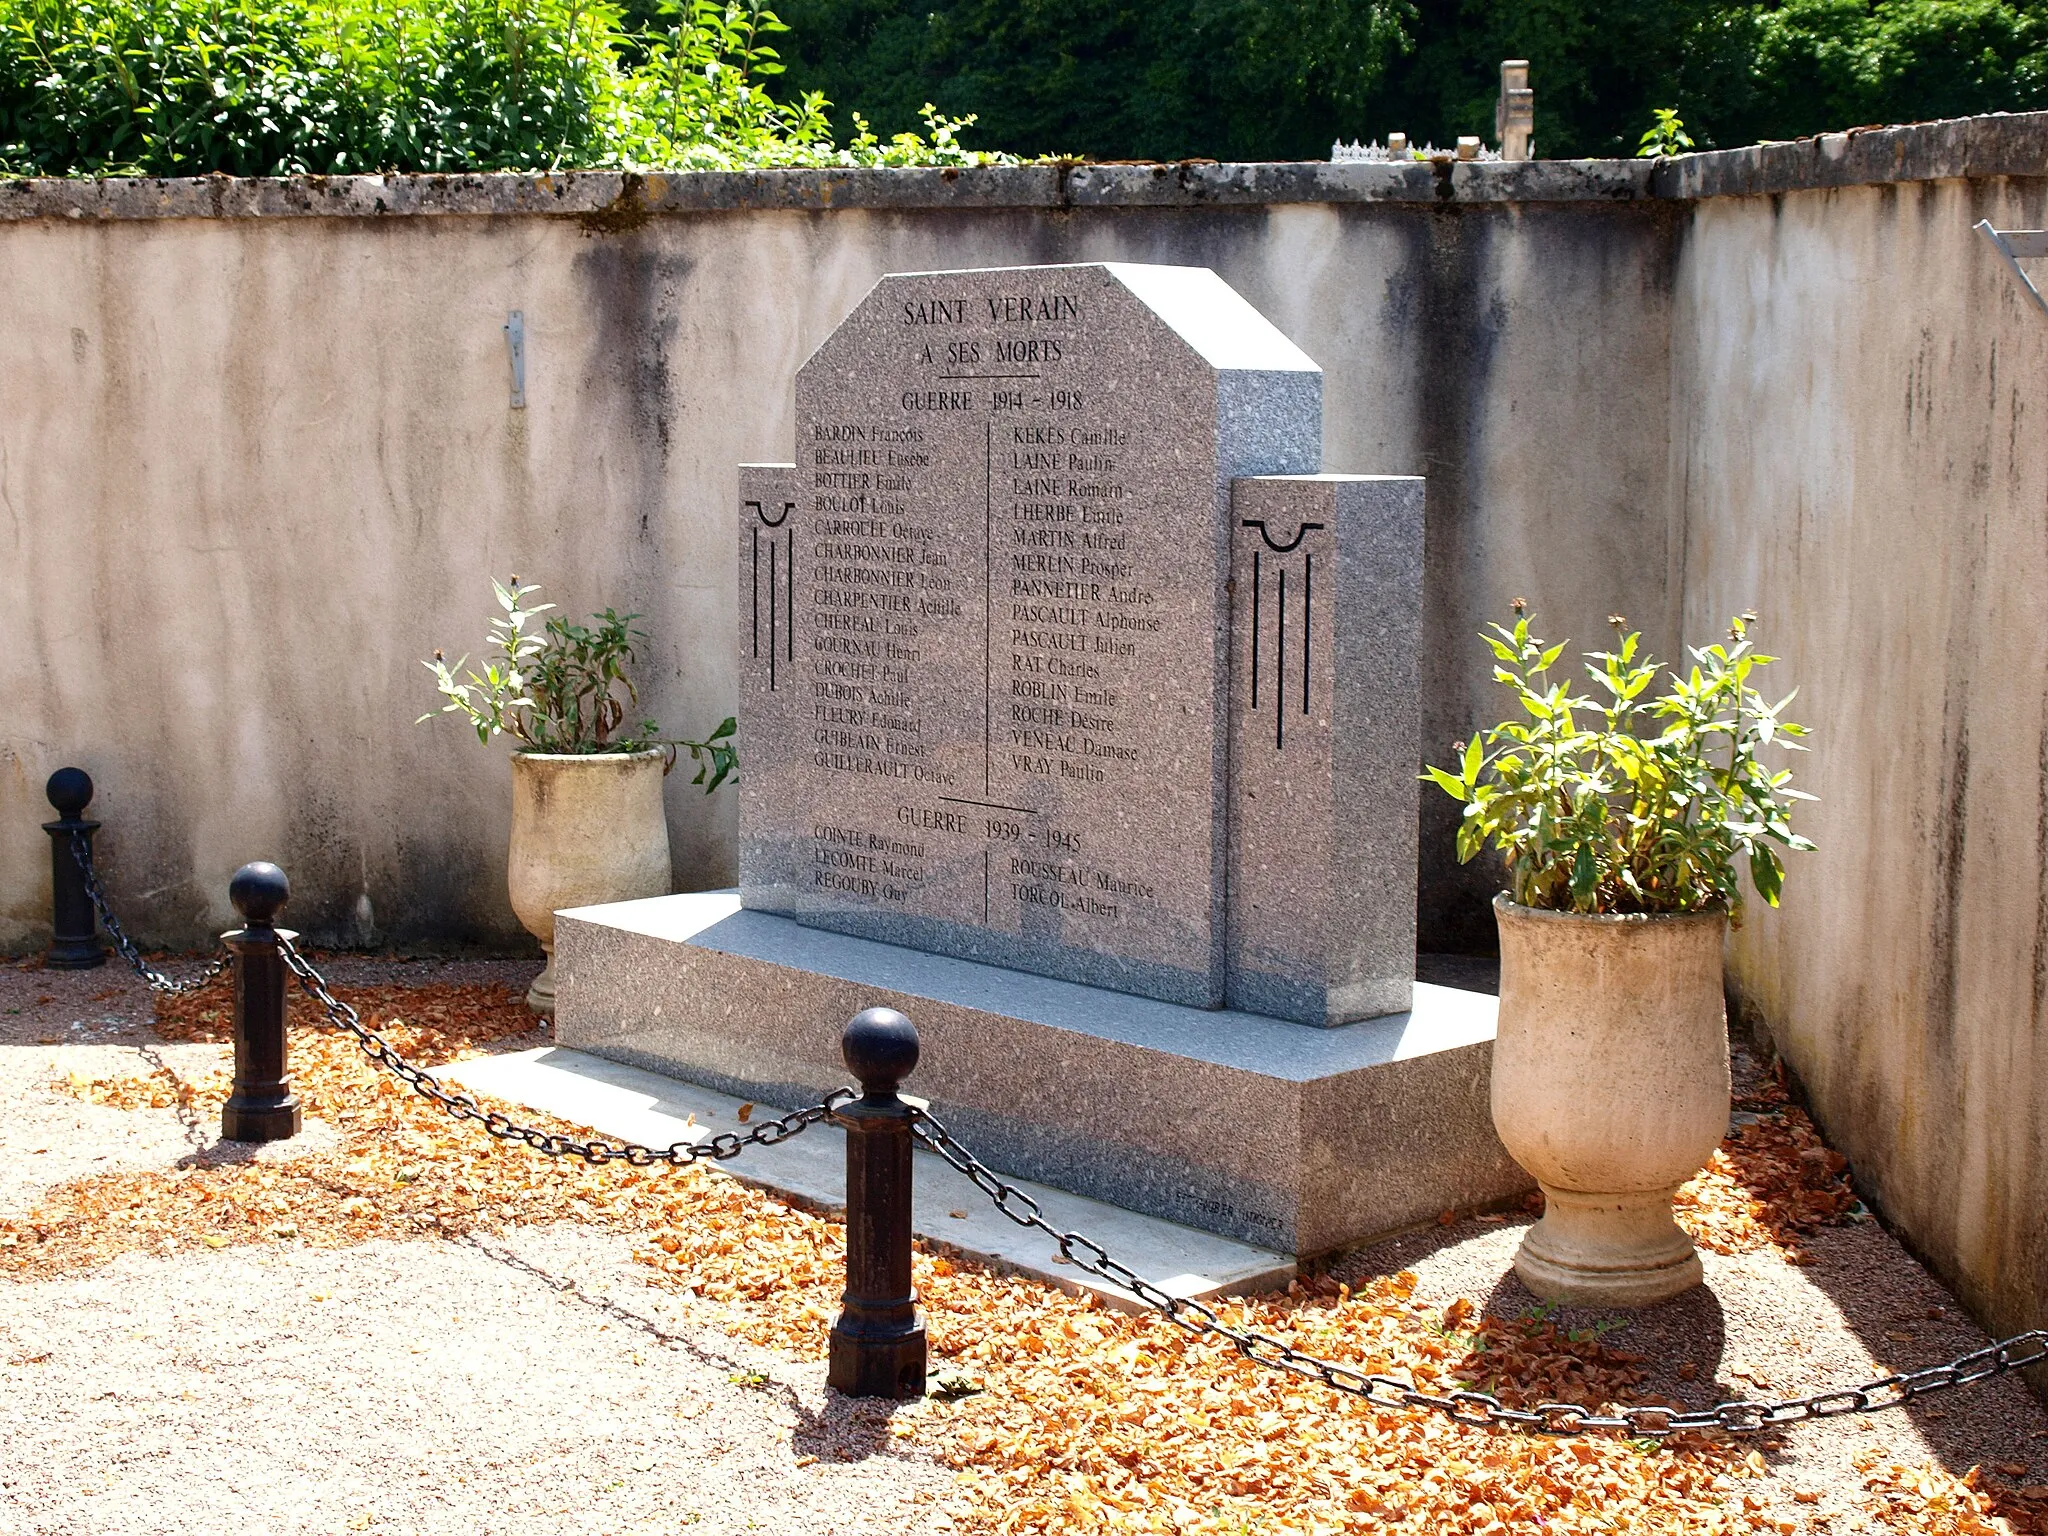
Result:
[
  {"x": 2003, "y": 144},
  {"x": 621, "y": 200}
]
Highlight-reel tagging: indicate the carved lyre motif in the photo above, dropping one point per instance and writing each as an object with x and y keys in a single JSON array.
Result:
[
  {"x": 1270, "y": 683},
  {"x": 781, "y": 585}
]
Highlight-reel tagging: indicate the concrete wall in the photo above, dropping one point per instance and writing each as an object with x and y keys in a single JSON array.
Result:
[
  {"x": 257, "y": 459},
  {"x": 1858, "y": 453}
]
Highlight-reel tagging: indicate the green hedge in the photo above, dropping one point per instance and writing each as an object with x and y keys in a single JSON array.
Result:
[
  {"x": 282, "y": 87},
  {"x": 265, "y": 87}
]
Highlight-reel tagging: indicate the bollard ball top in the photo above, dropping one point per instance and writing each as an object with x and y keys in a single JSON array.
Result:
[
  {"x": 70, "y": 791},
  {"x": 258, "y": 891},
  {"x": 880, "y": 1047}
]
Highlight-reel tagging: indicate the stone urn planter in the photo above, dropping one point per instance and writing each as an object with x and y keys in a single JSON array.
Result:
[
  {"x": 1610, "y": 1086},
  {"x": 586, "y": 828}
]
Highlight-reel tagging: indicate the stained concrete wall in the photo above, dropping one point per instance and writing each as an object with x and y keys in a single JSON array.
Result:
[
  {"x": 1860, "y": 389},
  {"x": 257, "y": 459}
]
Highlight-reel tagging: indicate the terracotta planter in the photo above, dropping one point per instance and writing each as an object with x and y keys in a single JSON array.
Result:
[
  {"x": 1610, "y": 1086},
  {"x": 585, "y": 829}
]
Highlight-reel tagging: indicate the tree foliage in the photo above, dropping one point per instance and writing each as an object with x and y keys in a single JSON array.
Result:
[
  {"x": 1280, "y": 79},
  {"x": 1735, "y": 73},
  {"x": 278, "y": 87},
  {"x": 177, "y": 87},
  {"x": 1109, "y": 78}
]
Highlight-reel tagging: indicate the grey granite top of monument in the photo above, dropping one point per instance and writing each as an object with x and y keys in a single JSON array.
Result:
[
  {"x": 1212, "y": 317},
  {"x": 1222, "y": 326},
  {"x": 1443, "y": 1018}
]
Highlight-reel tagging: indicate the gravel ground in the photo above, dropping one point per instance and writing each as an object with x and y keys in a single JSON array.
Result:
[
  {"x": 95, "y": 1024},
  {"x": 531, "y": 1385},
  {"x": 1762, "y": 1327},
  {"x": 537, "y": 1385}
]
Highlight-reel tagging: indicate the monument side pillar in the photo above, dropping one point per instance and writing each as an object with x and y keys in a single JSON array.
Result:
[
  {"x": 771, "y": 700},
  {"x": 1325, "y": 745}
]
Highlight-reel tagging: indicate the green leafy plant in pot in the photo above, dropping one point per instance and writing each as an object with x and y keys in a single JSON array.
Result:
[
  {"x": 1631, "y": 824},
  {"x": 588, "y": 825}
]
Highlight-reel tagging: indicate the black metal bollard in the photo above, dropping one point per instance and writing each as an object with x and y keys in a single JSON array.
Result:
[
  {"x": 262, "y": 1106},
  {"x": 74, "y": 928},
  {"x": 878, "y": 1346}
]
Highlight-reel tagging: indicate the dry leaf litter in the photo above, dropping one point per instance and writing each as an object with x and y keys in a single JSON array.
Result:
[{"x": 1058, "y": 1414}]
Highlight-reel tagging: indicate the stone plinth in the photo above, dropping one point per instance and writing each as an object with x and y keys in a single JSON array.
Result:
[{"x": 1296, "y": 1139}]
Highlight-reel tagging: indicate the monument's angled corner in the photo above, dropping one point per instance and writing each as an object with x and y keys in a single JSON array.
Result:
[{"x": 1216, "y": 321}]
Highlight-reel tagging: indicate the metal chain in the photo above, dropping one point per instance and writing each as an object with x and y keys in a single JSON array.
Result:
[
  {"x": 1742, "y": 1416},
  {"x": 726, "y": 1144},
  {"x": 81, "y": 850}
]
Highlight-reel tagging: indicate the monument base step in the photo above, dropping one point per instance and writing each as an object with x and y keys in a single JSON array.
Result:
[
  {"x": 1293, "y": 1139},
  {"x": 631, "y": 1104}
]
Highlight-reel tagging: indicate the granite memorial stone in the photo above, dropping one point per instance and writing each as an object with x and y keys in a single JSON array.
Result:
[
  {"x": 1002, "y": 564},
  {"x": 986, "y": 653}
]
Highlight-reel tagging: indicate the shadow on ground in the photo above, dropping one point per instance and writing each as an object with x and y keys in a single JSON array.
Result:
[{"x": 844, "y": 1429}]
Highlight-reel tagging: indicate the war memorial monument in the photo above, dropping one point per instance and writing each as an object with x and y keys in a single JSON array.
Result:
[{"x": 1079, "y": 721}]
